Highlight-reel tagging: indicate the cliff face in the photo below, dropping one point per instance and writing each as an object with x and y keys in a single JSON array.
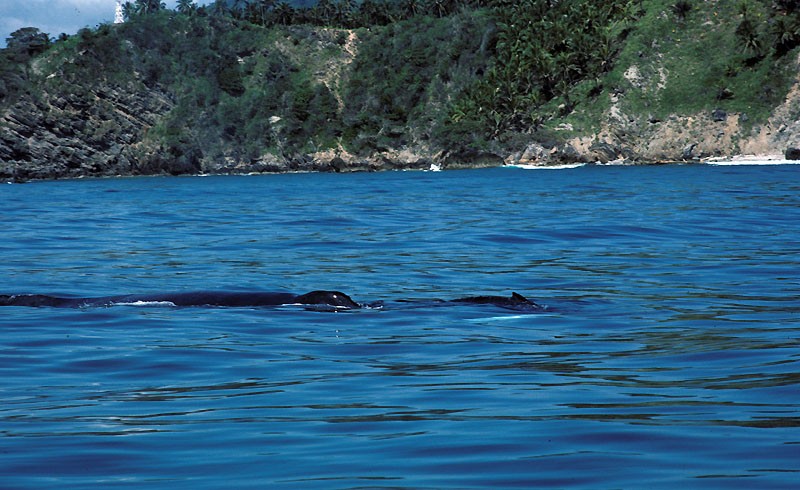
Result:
[
  {"x": 187, "y": 94},
  {"x": 180, "y": 94},
  {"x": 706, "y": 135},
  {"x": 97, "y": 133}
]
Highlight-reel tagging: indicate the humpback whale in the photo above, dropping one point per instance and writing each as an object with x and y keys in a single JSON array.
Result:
[
  {"x": 194, "y": 298},
  {"x": 335, "y": 299},
  {"x": 515, "y": 302}
]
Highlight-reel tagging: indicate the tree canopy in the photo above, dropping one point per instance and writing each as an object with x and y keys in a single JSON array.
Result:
[{"x": 27, "y": 42}]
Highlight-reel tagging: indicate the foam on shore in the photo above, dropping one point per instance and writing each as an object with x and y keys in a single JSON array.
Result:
[
  {"x": 752, "y": 160},
  {"x": 546, "y": 167}
]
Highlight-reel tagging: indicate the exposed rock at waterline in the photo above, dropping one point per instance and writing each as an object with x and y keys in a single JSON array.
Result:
[
  {"x": 546, "y": 154},
  {"x": 472, "y": 159},
  {"x": 792, "y": 153},
  {"x": 688, "y": 152}
]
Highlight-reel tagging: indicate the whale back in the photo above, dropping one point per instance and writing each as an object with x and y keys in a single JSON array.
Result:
[
  {"x": 37, "y": 300},
  {"x": 515, "y": 302},
  {"x": 330, "y": 298},
  {"x": 336, "y": 299}
]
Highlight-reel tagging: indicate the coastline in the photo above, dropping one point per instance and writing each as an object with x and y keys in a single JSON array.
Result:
[
  {"x": 752, "y": 160},
  {"x": 426, "y": 165},
  {"x": 307, "y": 98}
]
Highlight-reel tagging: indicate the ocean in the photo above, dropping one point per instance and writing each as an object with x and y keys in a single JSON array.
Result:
[{"x": 668, "y": 354}]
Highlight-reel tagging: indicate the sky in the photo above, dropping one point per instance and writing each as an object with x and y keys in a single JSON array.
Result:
[{"x": 57, "y": 16}]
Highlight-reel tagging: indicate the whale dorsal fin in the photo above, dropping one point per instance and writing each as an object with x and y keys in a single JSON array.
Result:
[{"x": 519, "y": 297}]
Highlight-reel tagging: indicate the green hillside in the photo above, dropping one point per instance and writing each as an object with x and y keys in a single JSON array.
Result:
[{"x": 347, "y": 85}]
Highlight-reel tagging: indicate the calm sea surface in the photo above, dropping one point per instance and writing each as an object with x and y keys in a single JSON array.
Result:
[{"x": 669, "y": 356}]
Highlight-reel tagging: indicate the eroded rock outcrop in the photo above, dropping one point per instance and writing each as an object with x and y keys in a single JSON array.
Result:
[{"x": 73, "y": 134}]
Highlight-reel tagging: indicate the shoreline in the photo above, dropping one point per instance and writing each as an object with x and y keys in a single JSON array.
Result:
[
  {"x": 743, "y": 159},
  {"x": 736, "y": 160}
]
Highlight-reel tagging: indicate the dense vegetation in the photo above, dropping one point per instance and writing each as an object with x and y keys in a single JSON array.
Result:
[{"x": 256, "y": 77}]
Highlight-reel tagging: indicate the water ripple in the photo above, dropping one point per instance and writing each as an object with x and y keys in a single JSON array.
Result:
[{"x": 667, "y": 356}]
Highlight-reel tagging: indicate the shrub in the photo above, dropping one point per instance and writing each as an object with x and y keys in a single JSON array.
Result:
[{"x": 681, "y": 9}]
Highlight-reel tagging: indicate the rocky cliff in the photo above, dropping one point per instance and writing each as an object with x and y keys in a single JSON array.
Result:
[
  {"x": 97, "y": 133},
  {"x": 180, "y": 94}
]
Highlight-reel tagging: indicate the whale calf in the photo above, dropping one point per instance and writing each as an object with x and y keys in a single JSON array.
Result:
[
  {"x": 336, "y": 299},
  {"x": 515, "y": 302}
]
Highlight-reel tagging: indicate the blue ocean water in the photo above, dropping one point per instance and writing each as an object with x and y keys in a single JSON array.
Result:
[{"x": 668, "y": 356}]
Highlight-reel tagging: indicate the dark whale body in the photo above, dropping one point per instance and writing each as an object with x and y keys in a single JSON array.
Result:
[
  {"x": 515, "y": 302},
  {"x": 334, "y": 299},
  {"x": 195, "y": 298}
]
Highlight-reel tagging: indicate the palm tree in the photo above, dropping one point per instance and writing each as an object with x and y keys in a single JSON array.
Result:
[
  {"x": 261, "y": 9},
  {"x": 345, "y": 13},
  {"x": 681, "y": 9},
  {"x": 186, "y": 6},
  {"x": 220, "y": 8},
  {"x": 239, "y": 7},
  {"x": 128, "y": 10},
  {"x": 786, "y": 33},
  {"x": 283, "y": 13},
  {"x": 412, "y": 7},
  {"x": 442, "y": 8},
  {"x": 149, "y": 6},
  {"x": 747, "y": 32},
  {"x": 323, "y": 12},
  {"x": 370, "y": 13}
]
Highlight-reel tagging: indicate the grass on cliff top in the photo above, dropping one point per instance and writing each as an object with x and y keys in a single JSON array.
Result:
[
  {"x": 698, "y": 63},
  {"x": 672, "y": 65}
]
